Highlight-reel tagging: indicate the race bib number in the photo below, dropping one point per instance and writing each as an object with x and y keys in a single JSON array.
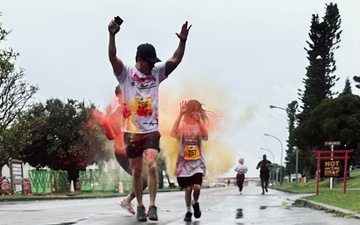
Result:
[
  {"x": 143, "y": 106},
  {"x": 192, "y": 152}
]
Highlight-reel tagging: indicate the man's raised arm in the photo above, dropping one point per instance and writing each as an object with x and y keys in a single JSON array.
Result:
[
  {"x": 116, "y": 63},
  {"x": 175, "y": 60}
]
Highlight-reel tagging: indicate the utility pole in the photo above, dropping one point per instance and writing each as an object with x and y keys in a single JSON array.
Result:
[{"x": 296, "y": 166}]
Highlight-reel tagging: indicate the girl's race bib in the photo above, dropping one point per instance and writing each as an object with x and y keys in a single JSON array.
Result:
[{"x": 192, "y": 152}]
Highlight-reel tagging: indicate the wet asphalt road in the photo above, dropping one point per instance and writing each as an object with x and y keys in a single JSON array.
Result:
[{"x": 218, "y": 205}]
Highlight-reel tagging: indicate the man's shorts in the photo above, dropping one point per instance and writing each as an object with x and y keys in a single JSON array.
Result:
[
  {"x": 184, "y": 182},
  {"x": 137, "y": 143},
  {"x": 264, "y": 176}
]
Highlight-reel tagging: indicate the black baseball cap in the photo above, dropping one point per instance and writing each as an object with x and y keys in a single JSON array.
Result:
[{"x": 147, "y": 52}]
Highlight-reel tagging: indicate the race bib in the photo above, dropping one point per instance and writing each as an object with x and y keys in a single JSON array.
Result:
[
  {"x": 192, "y": 152},
  {"x": 142, "y": 106}
]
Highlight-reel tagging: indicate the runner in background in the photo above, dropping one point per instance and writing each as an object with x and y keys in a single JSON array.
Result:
[
  {"x": 240, "y": 169},
  {"x": 264, "y": 166}
]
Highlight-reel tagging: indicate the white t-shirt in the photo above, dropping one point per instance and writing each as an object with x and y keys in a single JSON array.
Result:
[
  {"x": 191, "y": 153},
  {"x": 140, "y": 98},
  {"x": 241, "y": 169}
]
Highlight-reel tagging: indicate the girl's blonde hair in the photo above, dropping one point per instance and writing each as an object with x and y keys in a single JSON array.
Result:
[{"x": 194, "y": 105}]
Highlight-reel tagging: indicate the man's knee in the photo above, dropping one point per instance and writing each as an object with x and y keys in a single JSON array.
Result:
[
  {"x": 136, "y": 166},
  {"x": 151, "y": 157},
  {"x": 152, "y": 168}
]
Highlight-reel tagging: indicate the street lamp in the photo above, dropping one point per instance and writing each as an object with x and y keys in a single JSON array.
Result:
[
  {"x": 296, "y": 149},
  {"x": 281, "y": 159},
  {"x": 277, "y": 107},
  {"x": 270, "y": 152},
  {"x": 273, "y": 177},
  {"x": 287, "y": 111}
]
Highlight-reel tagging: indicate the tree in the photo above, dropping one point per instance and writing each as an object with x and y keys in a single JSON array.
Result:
[
  {"x": 15, "y": 94},
  {"x": 334, "y": 119},
  {"x": 291, "y": 113},
  {"x": 63, "y": 135},
  {"x": 347, "y": 89},
  {"x": 324, "y": 40}
]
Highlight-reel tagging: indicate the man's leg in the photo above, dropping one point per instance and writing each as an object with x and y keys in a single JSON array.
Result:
[
  {"x": 267, "y": 182},
  {"x": 151, "y": 158},
  {"x": 262, "y": 183},
  {"x": 144, "y": 176},
  {"x": 126, "y": 202},
  {"x": 144, "y": 173},
  {"x": 136, "y": 167}
]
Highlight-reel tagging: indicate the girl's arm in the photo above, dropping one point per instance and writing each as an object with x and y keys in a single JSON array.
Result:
[{"x": 175, "y": 129}]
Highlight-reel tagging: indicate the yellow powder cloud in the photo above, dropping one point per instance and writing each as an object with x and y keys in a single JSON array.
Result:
[{"x": 219, "y": 157}]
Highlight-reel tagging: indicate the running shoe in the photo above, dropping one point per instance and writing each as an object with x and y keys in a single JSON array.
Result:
[
  {"x": 140, "y": 215},
  {"x": 152, "y": 213},
  {"x": 197, "y": 212},
  {"x": 127, "y": 206},
  {"x": 188, "y": 216}
]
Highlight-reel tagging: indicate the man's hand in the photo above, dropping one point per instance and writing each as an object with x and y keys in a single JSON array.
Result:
[
  {"x": 113, "y": 27},
  {"x": 184, "y": 32}
]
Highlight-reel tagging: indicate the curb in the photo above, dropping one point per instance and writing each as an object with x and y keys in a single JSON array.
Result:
[
  {"x": 329, "y": 209},
  {"x": 320, "y": 206}
]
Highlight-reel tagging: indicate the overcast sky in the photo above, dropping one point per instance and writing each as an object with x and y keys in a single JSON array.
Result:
[{"x": 241, "y": 57}]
